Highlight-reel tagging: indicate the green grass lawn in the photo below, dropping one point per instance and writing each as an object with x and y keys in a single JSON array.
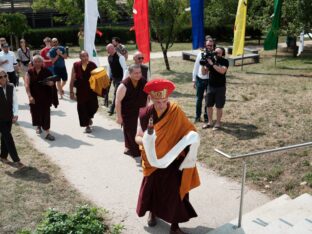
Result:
[
  {"x": 27, "y": 193},
  {"x": 267, "y": 107}
]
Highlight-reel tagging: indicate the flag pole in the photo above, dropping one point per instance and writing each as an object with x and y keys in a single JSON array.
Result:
[
  {"x": 276, "y": 51},
  {"x": 242, "y": 65}
]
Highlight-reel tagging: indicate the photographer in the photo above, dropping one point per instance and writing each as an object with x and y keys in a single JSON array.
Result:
[
  {"x": 217, "y": 67},
  {"x": 200, "y": 80}
]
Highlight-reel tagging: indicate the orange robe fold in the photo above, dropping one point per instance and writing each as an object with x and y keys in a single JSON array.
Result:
[{"x": 169, "y": 131}]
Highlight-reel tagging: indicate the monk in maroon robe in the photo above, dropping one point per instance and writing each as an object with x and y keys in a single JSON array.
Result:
[
  {"x": 42, "y": 94},
  {"x": 87, "y": 102},
  {"x": 130, "y": 98}
]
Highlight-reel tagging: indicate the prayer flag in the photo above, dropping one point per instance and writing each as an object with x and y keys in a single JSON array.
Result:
[
  {"x": 90, "y": 23},
  {"x": 301, "y": 45},
  {"x": 99, "y": 33},
  {"x": 141, "y": 27},
  {"x": 240, "y": 28},
  {"x": 198, "y": 35},
  {"x": 271, "y": 40}
]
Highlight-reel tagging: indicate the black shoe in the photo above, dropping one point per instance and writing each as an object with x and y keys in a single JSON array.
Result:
[
  {"x": 197, "y": 120},
  {"x": 50, "y": 137}
]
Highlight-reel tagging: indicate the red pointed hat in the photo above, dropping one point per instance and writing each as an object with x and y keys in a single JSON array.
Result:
[{"x": 159, "y": 88}]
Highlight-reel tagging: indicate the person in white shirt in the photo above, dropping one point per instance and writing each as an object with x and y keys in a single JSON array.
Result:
[
  {"x": 200, "y": 82},
  {"x": 8, "y": 63},
  {"x": 116, "y": 70},
  {"x": 8, "y": 116}
]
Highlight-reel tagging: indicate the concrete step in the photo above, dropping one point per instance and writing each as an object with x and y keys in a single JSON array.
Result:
[
  {"x": 272, "y": 206},
  {"x": 303, "y": 227},
  {"x": 280, "y": 216},
  {"x": 287, "y": 223}
]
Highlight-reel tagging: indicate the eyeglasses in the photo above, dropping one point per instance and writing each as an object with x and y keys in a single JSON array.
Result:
[
  {"x": 141, "y": 58},
  {"x": 4, "y": 76}
]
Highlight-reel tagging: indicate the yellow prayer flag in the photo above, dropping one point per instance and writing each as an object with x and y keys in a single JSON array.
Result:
[{"x": 239, "y": 28}]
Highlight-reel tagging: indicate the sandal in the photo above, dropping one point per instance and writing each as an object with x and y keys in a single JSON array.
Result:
[
  {"x": 151, "y": 220},
  {"x": 88, "y": 130},
  {"x": 38, "y": 130},
  {"x": 205, "y": 126},
  {"x": 4, "y": 160},
  {"x": 18, "y": 165},
  {"x": 216, "y": 128},
  {"x": 50, "y": 137}
]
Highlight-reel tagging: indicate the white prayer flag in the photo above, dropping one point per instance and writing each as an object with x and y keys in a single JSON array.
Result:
[
  {"x": 301, "y": 45},
  {"x": 90, "y": 24}
]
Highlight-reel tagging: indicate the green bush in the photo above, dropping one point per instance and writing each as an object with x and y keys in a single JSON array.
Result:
[
  {"x": 67, "y": 36},
  {"x": 84, "y": 220}
]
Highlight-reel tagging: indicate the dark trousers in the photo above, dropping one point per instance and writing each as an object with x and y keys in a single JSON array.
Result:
[
  {"x": 116, "y": 83},
  {"x": 13, "y": 78},
  {"x": 7, "y": 142},
  {"x": 106, "y": 95},
  {"x": 201, "y": 87}
]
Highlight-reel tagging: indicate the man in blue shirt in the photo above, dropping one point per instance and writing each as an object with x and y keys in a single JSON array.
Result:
[{"x": 58, "y": 55}]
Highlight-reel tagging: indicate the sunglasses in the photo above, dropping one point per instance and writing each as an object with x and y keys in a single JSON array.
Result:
[
  {"x": 141, "y": 58},
  {"x": 4, "y": 76}
]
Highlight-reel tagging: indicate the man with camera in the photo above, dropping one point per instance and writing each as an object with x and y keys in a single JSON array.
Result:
[
  {"x": 217, "y": 67},
  {"x": 200, "y": 80}
]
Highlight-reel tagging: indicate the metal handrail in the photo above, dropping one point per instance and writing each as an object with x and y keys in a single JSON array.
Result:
[
  {"x": 263, "y": 151},
  {"x": 245, "y": 168}
]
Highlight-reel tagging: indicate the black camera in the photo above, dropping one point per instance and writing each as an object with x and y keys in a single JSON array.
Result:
[{"x": 205, "y": 55}]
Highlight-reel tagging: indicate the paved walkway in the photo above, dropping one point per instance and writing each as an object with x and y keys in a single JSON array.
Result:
[{"x": 96, "y": 166}]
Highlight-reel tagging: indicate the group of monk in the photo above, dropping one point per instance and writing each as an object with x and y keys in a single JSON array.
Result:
[{"x": 144, "y": 111}]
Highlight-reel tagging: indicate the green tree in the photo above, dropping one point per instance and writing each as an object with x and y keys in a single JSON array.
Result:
[
  {"x": 74, "y": 9},
  {"x": 13, "y": 24},
  {"x": 166, "y": 19},
  {"x": 220, "y": 12},
  {"x": 304, "y": 13}
]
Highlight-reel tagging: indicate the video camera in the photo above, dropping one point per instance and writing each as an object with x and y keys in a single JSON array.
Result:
[
  {"x": 205, "y": 55},
  {"x": 53, "y": 78}
]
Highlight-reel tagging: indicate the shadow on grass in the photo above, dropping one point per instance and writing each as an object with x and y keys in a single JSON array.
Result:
[
  {"x": 279, "y": 74},
  {"x": 30, "y": 174},
  {"x": 241, "y": 131}
]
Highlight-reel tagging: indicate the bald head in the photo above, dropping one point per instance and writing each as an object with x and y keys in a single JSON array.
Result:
[
  {"x": 84, "y": 56},
  {"x": 110, "y": 48},
  {"x": 138, "y": 57}
]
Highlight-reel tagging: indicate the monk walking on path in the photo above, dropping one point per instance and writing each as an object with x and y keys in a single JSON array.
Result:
[
  {"x": 42, "y": 94},
  {"x": 130, "y": 98},
  {"x": 87, "y": 102},
  {"x": 164, "y": 190}
]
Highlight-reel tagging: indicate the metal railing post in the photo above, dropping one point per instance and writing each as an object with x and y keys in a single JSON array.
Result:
[
  {"x": 242, "y": 195},
  {"x": 245, "y": 168}
]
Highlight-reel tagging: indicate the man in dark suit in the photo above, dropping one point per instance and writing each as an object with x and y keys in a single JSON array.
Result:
[{"x": 8, "y": 115}]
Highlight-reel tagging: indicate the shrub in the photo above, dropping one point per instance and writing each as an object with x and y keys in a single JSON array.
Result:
[{"x": 84, "y": 220}]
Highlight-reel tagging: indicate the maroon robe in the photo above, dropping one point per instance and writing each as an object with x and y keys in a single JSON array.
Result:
[
  {"x": 44, "y": 96},
  {"x": 87, "y": 102},
  {"x": 160, "y": 191},
  {"x": 134, "y": 99}
]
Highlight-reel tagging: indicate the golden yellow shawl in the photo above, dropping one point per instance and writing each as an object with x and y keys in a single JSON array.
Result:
[{"x": 169, "y": 131}]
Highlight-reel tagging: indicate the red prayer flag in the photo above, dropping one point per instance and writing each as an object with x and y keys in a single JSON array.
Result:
[
  {"x": 98, "y": 32},
  {"x": 141, "y": 27}
]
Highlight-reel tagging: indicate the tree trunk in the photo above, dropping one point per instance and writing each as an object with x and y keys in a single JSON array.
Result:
[{"x": 166, "y": 59}]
